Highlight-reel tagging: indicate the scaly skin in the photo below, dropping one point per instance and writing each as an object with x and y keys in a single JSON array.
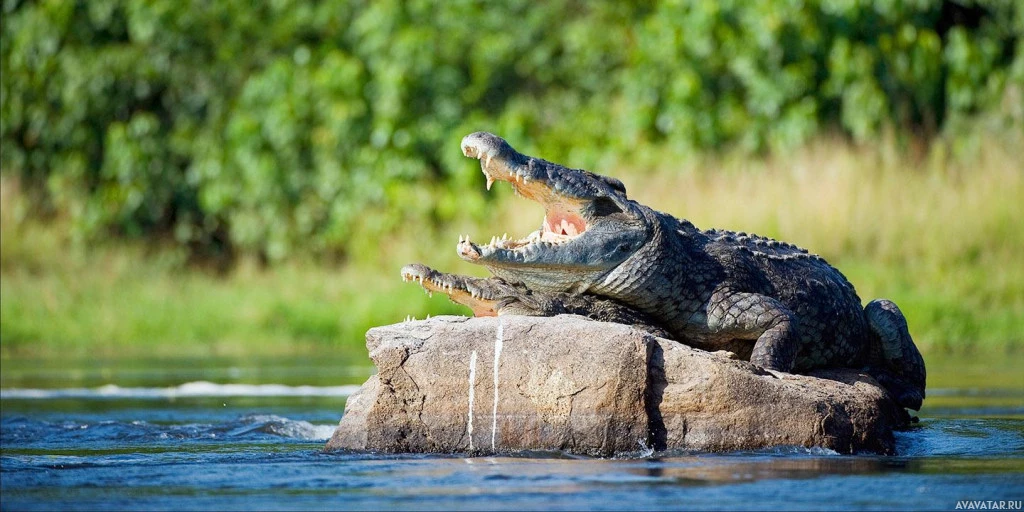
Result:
[
  {"x": 492, "y": 297},
  {"x": 769, "y": 301}
]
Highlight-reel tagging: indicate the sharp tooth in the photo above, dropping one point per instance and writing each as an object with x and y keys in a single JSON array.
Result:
[
  {"x": 494, "y": 240},
  {"x": 428, "y": 316},
  {"x": 505, "y": 236},
  {"x": 490, "y": 181},
  {"x": 460, "y": 239}
]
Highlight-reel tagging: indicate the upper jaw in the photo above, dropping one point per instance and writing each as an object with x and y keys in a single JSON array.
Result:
[
  {"x": 535, "y": 178},
  {"x": 498, "y": 160},
  {"x": 475, "y": 293}
]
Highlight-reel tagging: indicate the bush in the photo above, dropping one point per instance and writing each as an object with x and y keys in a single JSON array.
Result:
[{"x": 228, "y": 128}]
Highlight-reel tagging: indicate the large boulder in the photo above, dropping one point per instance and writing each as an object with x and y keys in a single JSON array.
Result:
[{"x": 485, "y": 385}]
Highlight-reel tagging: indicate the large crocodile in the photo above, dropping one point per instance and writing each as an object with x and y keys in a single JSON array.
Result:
[{"x": 769, "y": 301}]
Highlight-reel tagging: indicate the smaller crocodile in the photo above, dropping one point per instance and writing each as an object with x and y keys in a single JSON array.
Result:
[{"x": 493, "y": 296}]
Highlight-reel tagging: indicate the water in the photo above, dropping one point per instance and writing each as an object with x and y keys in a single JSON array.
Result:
[{"x": 189, "y": 437}]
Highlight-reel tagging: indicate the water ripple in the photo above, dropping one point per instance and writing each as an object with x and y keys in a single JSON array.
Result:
[
  {"x": 189, "y": 389},
  {"x": 25, "y": 432}
]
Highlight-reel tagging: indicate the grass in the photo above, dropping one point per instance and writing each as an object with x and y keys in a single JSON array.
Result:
[
  {"x": 942, "y": 239},
  {"x": 119, "y": 301}
]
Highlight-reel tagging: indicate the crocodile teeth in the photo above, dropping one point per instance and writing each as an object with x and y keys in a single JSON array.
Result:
[
  {"x": 490, "y": 180},
  {"x": 568, "y": 229}
]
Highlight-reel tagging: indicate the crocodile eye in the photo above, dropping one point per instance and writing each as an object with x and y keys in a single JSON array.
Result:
[{"x": 602, "y": 206}]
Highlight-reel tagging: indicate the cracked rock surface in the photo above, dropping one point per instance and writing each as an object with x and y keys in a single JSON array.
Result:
[{"x": 567, "y": 383}]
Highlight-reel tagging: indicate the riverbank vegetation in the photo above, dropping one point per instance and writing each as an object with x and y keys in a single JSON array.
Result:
[
  {"x": 227, "y": 178},
  {"x": 941, "y": 239}
]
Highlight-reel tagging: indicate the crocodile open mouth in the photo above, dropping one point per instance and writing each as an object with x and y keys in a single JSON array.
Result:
[
  {"x": 460, "y": 289},
  {"x": 562, "y": 219},
  {"x": 560, "y": 225},
  {"x": 589, "y": 225}
]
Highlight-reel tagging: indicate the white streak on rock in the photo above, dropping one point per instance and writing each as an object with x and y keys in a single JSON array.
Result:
[
  {"x": 498, "y": 342},
  {"x": 472, "y": 379}
]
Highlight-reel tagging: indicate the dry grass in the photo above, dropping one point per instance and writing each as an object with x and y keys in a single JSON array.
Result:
[{"x": 944, "y": 240}]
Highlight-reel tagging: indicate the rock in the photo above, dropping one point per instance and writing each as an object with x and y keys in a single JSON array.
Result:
[
  {"x": 571, "y": 384},
  {"x": 708, "y": 402},
  {"x": 580, "y": 391}
]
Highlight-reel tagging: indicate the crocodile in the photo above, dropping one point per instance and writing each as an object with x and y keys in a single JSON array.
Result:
[
  {"x": 494, "y": 296},
  {"x": 770, "y": 302}
]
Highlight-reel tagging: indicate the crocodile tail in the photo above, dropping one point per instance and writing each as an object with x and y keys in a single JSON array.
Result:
[{"x": 900, "y": 366}]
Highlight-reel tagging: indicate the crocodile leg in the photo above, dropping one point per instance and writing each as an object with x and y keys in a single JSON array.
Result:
[
  {"x": 903, "y": 373},
  {"x": 757, "y": 317}
]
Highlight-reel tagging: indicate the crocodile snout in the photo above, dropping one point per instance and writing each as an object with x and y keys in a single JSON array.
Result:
[{"x": 484, "y": 145}]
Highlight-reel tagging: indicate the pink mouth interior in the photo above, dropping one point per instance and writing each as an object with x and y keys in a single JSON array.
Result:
[{"x": 564, "y": 223}]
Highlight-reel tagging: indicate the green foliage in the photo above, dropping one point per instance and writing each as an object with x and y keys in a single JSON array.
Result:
[
  {"x": 291, "y": 125},
  {"x": 944, "y": 242}
]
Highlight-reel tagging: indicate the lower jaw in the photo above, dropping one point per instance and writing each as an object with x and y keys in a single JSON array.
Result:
[{"x": 544, "y": 278}]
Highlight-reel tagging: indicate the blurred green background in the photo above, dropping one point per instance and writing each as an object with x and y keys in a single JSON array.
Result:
[{"x": 191, "y": 178}]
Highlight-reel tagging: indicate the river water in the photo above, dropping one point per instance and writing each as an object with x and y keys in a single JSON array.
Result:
[{"x": 249, "y": 435}]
